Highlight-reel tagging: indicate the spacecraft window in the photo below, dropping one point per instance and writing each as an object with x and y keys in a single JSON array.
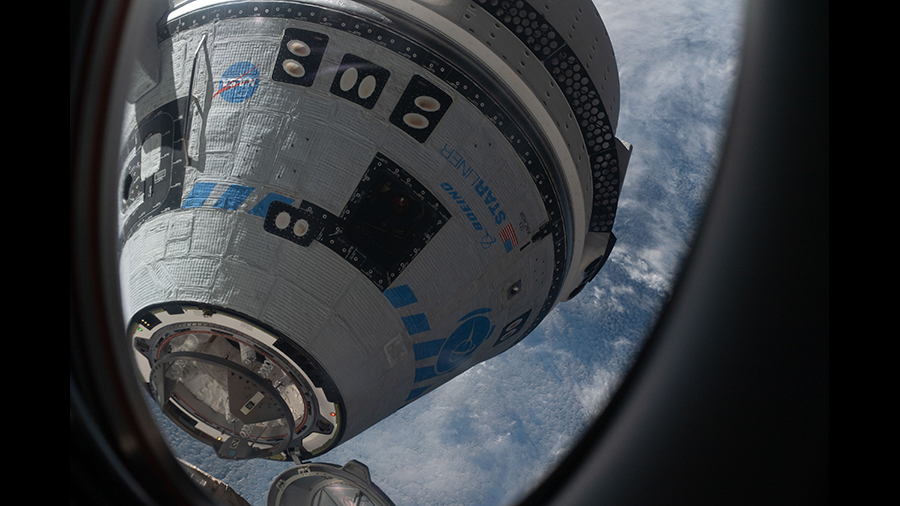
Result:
[
  {"x": 388, "y": 218},
  {"x": 126, "y": 187},
  {"x": 150, "y": 155}
]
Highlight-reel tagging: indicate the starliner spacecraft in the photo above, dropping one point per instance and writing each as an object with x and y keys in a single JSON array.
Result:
[{"x": 330, "y": 208}]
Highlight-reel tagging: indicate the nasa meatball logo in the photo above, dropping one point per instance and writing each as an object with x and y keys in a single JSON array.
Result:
[
  {"x": 474, "y": 329},
  {"x": 239, "y": 82}
]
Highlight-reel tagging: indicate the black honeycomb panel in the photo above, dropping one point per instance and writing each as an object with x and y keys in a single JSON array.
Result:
[
  {"x": 584, "y": 99},
  {"x": 607, "y": 181},
  {"x": 590, "y": 115},
  {"x": 528, "y": 24}
]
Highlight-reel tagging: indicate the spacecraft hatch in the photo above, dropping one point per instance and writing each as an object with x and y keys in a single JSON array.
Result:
[{"x": 329, "y": 209}]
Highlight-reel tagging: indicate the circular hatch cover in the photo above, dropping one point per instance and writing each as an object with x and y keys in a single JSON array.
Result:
[{"x": 321, "y": 484}]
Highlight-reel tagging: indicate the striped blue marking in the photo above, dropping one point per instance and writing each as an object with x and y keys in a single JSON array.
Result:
[
  {"x": 416, "y": 323},
  {"x": 262, "y": 208},
  {"x": 416, "y": 392},
  {"x": 233, "y": 197},
  {"x": 199, "y": 193},
  {"x": 400, "y": 296},
  {"x": 428, "y": 348},
  {"x": 424, "y": 373}
]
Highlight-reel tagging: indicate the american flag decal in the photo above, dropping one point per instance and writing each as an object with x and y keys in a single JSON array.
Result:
[{"x": 508, "y": 236}]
